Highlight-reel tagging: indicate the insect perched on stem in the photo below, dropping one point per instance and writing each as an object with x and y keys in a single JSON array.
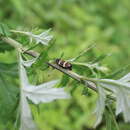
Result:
[{"x": 64, "y": 64}]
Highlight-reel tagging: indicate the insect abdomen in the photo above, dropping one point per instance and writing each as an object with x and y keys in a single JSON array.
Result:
[{"x": 64, "y": 64}]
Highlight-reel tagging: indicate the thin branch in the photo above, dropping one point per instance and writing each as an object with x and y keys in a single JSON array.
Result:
[
  {"x": 31, "y": 53},
  {"x": 19, "y": 46},
  {"x": 11, "y": 42},
  {"x": 84, "y": 80},
  {"x": 73, "y": 75}
]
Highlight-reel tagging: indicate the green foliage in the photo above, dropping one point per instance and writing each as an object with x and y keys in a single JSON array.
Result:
[
  {"x": 4, "y": 30},
  {"x": 8, "y": 94},
  {"x": 5, "y": 47},
  {"x": 9, "y": 69},
  {"x": 75, "y": 24},
  {"x": 64, "y": 80}
]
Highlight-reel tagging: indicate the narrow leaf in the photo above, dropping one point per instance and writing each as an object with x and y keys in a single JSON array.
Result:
[
  {"x": 27, "y": 122},
  {"x": 28, "y": 63},
  {"x": 121, "y": 89},
  {"x": 126, "y": 78},
  {"x": 100, "y": 105},
  {"x": 4, "y": 30}
]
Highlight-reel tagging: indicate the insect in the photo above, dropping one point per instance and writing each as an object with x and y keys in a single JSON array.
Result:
[{"x": 64, "y": 64}]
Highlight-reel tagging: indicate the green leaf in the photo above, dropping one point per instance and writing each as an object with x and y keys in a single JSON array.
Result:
[
  {"x": 108, "y": 120},
  {"x": 100, "y": 105},
  {"x": 100, "y": 58},
  {"x": 8, "y": 92},
  {"x": 4, "y": 30},
  {"x": 42, "y": 60},
  {"x": 118, "y": 72},
  {"x": 113, "y": 118},
  {"x": 85, "y": 91},
  {"x": 62, "y": 54},
  {"x": 121, "y": 90},
  {"x": 5, "y": 47},
  {"x": 64, "y": 81},
  {"x": 8, "y": 100},
  {"x": 82, "y": 53},
  {"x": 9, "y": 69},
  {"x": 26, "y": 122}
]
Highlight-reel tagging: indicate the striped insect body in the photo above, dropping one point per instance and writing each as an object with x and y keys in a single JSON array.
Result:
[{"x": 64, "y": 64}]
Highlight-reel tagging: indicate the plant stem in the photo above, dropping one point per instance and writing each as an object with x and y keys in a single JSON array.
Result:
[
  {"x": 12, "y": 42},
  {"x": 19, "y": 46},
  {"x": 113, "y": 117},
  {"x": 88, "y": 82},
  {"x": 73, "y": 75}
]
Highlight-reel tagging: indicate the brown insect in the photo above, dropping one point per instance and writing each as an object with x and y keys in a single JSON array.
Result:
[{"x": 64, "y": 64}]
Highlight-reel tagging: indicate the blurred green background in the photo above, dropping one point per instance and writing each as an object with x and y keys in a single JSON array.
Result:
[{"x": 75, "y": 25}]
